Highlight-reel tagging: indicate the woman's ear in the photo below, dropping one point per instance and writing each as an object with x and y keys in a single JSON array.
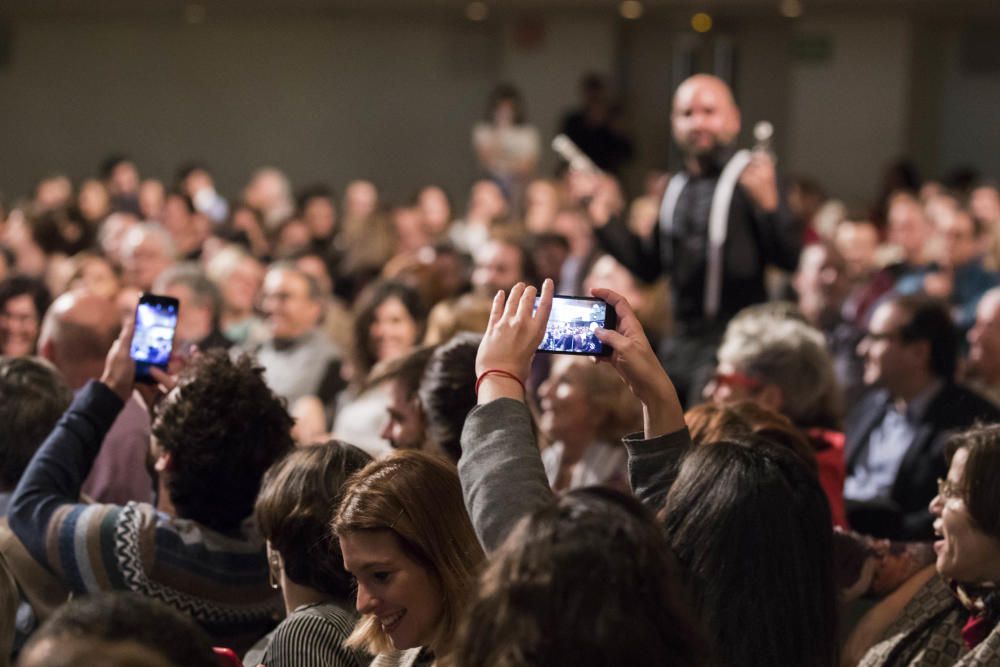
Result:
[{"x": 163, "y": 462}]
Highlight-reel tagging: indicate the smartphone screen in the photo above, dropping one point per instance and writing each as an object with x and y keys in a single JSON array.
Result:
[
  {"x": 571, "y": 326},
  {"x": 153, "y": 340}
]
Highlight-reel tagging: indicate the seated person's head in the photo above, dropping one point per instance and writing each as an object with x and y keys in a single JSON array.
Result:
[
  {"x": 92, "y": 652},
  {"x": 408, "y": 541},
  {"x": 500, "y": 264},
  {"x": 200, "y": 302},
  {"x": 33, "y": 396},
  {"x": 911, "y": 341},
  {"x": 388, "y": 322},
  {"x": 122, "y": 617},
  {"x": 448, "y": 391},
  {"x": 297, "y": 500},
  {"x": 750, "y": 527},
  {"x": 292, "y": 302},
  {"x": 23, "y": 302},
  {"x": 214, "y": 437},
  {"x": 782, "y": 364},
  {"x": 582, "y": 402},
  {"x": 468, "y": 312},
  {"x": 77, "y": 333},
  {"x": 743, "y": 420},
  {"x": 967, "y": 508},
  {"x": 407, "y": 426},
  {"x": 586, "y": 580}
]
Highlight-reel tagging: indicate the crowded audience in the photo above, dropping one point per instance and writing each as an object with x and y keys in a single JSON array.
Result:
[{"x": 354, "y": 455}]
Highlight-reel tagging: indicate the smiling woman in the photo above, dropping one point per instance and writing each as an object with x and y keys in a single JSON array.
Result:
[
  {"x": 408, "y": 541},
  {"x": 953, "y": 619}
]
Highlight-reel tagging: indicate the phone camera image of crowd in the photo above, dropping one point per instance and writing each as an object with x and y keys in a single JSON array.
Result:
[
  {"x": 572, "y": 325},
  {"x": 154, "y": 333}
]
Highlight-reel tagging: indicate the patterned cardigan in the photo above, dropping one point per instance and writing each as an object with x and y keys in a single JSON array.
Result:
[
  {"x": 928, "y": 633},
  {"x": 218, "y": 579}
]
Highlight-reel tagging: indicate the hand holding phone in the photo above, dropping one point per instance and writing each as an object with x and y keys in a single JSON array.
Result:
[
  {"x": 153, "y": 340},
  {"x": 515, "y": 329},
  {"x": 572, "y": 326}
]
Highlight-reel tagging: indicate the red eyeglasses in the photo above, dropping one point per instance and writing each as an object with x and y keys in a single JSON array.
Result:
[{"x": 737, "y": 380}]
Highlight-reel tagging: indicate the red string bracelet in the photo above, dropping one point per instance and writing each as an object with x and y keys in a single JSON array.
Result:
[{"x": 497, "y": 371}]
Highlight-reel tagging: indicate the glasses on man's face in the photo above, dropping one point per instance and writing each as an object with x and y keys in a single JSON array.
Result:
[{"x": 947, "y": 489}]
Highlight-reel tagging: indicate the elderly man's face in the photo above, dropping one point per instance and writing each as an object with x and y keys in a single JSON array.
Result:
[
  {"x": 290, "y": 311},
  {"x": 704, "y": 116}
]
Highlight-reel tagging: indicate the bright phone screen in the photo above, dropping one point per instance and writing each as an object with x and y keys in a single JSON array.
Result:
[
  {"x": 155, "y": 323},
  {"x": 571, "y": 326}
]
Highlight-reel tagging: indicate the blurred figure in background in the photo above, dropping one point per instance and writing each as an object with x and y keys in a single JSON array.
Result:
[{"x": 506, "y": 145}]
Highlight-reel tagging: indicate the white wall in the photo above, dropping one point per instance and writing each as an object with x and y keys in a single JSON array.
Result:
[{"x": 848, "y": 115}]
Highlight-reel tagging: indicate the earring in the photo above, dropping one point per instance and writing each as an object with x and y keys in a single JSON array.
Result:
[{"x": 273, "y": 570}]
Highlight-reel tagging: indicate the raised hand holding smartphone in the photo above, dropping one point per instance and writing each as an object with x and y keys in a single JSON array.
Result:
[
  {"x": 153, "y": 340},
  {"x": 573, "y": 323}
]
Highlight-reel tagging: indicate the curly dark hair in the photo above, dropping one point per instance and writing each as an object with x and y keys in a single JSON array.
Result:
[
  {"x": 298, "y": 499},
  {"x": 223, "y": 429}
]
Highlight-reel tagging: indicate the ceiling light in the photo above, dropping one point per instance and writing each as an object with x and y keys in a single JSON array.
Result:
[
  {"x": 790, "y": 8},
  {"x": 477, "y": 11},
  {"x": 631, "y": 9},
  {"x": 701, "y": 22}
]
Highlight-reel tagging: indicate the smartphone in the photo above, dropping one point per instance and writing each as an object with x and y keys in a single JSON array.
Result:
[
  {"x": 571, "y": 326},
  {"x": 153, "y": 340}
]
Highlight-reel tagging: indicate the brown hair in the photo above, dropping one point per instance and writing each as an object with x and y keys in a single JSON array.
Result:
[
  {"x": 417, "y": 497},
  {"x": 978, "y": 487},
  {"x": 297, "y": 500},
  {"x": 711, "y": 422}
]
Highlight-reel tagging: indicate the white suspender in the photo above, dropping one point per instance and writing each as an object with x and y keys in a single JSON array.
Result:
[{"x": 718, "y": 223}]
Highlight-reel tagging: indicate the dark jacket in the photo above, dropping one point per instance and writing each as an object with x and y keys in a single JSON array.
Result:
[{"x": 906, "y": 516}]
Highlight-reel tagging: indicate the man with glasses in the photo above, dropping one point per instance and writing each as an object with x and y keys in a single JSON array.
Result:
[
  {"x": 298, "y": 359},
  {"x": 897, "y": 432}
]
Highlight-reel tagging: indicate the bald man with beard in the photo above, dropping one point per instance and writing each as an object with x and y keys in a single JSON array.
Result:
[
  {"x": 76, "y": 335},
  {"x": 722, "y": 221}
]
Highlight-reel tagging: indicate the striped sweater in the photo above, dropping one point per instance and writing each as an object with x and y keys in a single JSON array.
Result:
[
  {"x": 311, "y": 636},
  {"x": 219, "y": 580}
]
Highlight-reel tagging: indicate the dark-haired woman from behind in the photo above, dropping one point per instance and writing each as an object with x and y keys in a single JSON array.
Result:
[
  {"x": 747, "y": 521},
  {"x": 297, "y": 500},
  {"x": 587, "y": 581}
]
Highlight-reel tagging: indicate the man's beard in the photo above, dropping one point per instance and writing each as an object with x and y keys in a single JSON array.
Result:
[{"x": 713, "y": 159}]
